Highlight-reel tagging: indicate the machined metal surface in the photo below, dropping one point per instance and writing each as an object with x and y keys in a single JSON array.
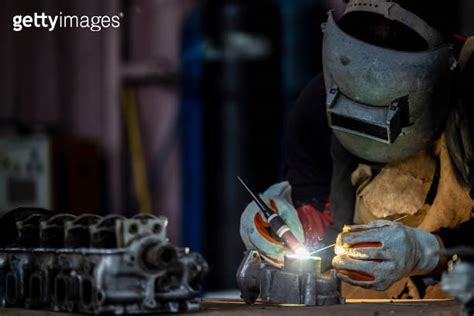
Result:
[
  {"x": 309, "y": 264},
  {"x": 299, "y": 282},
  {"x": 91, "y": 264}
]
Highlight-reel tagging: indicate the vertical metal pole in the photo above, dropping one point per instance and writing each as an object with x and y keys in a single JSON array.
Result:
[{"x": 112, "y": 125}]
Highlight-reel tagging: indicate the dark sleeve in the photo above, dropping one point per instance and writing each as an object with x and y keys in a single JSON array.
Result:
[
  {"x": 307, "y": 142},
  {"x": 343, "y": 195},
  {"x": 458, "y": 237}
]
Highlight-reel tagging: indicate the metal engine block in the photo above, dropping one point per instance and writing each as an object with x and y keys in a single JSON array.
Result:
[
  {"x": 93, "y": 264},
  {"x": 299, "y": 282}
]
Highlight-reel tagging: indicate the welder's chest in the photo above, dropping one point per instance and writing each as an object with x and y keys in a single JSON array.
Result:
[{"x": 424, "y": 187}]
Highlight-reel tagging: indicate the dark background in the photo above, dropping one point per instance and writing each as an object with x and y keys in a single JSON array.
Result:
[{"x": 211, "y": 83}]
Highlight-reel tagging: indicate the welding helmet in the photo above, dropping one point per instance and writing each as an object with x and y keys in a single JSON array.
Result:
[{"x": 385, "y": 104}]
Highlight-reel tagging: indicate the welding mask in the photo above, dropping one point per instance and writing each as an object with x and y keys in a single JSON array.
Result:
[{"x": 385, "y": 105}]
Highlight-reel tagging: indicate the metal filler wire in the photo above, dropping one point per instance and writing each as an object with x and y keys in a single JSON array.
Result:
[{"x": 332, "y": 245}]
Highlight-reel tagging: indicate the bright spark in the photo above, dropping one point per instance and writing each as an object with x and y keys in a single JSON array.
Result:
[{"x": 302, "y": 252}]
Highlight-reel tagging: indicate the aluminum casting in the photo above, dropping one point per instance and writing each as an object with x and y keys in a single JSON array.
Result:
[
  {"x": 299, "y": 282},
  {"x": 93, "y": 264}
]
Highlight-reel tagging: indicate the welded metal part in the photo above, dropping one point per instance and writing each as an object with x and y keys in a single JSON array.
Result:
[
  {"x": 138, "y": 272},
  {"x": 299, "y": 282},
  {"x": 307, "y": 264}
]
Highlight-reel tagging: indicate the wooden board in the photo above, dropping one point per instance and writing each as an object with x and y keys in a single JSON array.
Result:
[{"x": 352, "y": 307}]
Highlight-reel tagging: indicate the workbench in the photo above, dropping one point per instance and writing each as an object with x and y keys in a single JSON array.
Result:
[{"x": 352, "y": 307}]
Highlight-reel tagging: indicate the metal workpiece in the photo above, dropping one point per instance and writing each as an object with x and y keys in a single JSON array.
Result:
[
  {"x": 100, "y": 265},
  {"x": 299, "y": 282},
  {"x": 459, "y": 283},
  {"x": 307, "y": 264}
]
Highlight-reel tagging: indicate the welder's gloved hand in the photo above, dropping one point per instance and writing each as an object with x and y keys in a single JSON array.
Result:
[
  {"x": 315, "y": 223},
  {"x": 376, "y": 255},
  {"x": 257, "y": 235}
]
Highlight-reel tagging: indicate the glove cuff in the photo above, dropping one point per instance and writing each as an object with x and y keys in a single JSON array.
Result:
[{"x": 428, "y": 249}]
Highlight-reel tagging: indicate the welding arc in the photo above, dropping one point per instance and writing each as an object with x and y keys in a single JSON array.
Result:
[{"x": 332, "y": 245}]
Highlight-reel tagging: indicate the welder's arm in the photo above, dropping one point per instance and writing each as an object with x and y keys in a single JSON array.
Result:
[
  {"x": 458, "y": 237},
  {"x": 307, "y": 142},
  {"x": 377, "y": 255},
  {"x": 308, "y": 160},
  {"x": 315, "y": 223}
]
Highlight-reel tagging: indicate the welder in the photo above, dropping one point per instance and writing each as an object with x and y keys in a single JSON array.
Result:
[{"x": 385, "y": 131}]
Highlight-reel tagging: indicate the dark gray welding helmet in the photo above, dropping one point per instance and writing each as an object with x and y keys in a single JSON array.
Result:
[{"x": 385, "y": 105}]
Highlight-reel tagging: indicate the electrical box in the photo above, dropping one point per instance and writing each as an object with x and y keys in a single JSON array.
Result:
[
  {"x": 64, "y": 173},
  {"x": 25, "y": 172}
]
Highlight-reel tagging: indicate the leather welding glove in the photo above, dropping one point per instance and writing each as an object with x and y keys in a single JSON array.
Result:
[
  {"x": 376, "y": 255},
  {"x": 254, "y": 229}
]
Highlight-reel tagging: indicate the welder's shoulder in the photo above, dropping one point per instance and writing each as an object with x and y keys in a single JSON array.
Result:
[
  {"x": 312, "y": 99},
  {"x": 308, "y": 115}
]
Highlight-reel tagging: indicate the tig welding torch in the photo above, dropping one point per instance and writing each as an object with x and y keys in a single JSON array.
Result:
[{"x": 276, "y": 223}]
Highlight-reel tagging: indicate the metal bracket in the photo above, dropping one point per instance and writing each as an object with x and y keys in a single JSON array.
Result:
[{"x": 331, "y": 97}]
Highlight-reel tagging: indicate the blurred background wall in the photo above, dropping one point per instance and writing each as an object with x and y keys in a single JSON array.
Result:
[
  {"x": 70, "y": 81},
  {"x": 164, "y": 112}
]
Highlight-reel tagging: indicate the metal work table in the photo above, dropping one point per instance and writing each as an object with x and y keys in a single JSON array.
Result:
[{"x": 353, "y": 307}]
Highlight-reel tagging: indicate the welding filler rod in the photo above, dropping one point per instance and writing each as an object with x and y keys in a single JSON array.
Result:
[{"x": 332, "y": 245}]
